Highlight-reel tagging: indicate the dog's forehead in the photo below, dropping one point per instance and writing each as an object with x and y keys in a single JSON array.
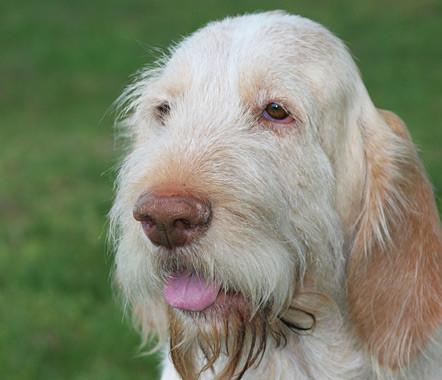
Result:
[{"x": 254, "y": 50}]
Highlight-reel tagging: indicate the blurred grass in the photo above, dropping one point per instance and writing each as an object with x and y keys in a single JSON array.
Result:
[{"x": 62, "y": 64}]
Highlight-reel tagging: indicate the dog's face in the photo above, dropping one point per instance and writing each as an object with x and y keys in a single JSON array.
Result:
[{"x": 245, "y": 177}]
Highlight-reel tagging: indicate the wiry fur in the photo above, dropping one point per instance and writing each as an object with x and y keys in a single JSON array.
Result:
[{"x": 328, "y": 225}]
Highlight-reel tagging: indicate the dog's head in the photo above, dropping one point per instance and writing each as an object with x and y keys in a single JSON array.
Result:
[{"x": 259, "y": 170}]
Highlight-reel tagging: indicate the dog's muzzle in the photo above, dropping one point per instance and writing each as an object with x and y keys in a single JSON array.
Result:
[{"x": 173, "y": 217}]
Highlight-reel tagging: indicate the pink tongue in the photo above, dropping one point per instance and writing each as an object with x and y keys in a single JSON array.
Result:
[{"x": 188, "y": 292}]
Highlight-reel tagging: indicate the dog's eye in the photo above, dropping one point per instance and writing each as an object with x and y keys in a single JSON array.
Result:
[
  {"x": 277, "y": 113},
  {"x": 162, "y": 111}
]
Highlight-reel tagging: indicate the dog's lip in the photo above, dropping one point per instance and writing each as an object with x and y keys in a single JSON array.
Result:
[{"x": 188, "y": 292}]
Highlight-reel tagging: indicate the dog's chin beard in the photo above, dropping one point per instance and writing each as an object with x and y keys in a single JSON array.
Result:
[
  {"x": 232, "y": 342},
  {"x": 228, "y": 337}
]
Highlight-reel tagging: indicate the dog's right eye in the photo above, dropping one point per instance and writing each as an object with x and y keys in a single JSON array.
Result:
[
  {"x": 162, "y": 111},
  {"x": 276, "y": 113}
]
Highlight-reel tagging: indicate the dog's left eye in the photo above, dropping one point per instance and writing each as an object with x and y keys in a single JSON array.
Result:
[
  {"x": 276, "y": 113},
  {"x": 162, "y": 111}
]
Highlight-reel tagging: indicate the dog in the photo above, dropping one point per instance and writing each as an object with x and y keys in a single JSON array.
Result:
[{"x": 269, "y": 221}]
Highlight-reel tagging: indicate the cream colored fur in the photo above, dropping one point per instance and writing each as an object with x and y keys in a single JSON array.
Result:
[{"x": 287, "y": 205}]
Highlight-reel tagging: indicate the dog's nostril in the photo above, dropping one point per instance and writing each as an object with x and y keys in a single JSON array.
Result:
[
  {"x": 141, "y": 215},
  {"x": 147, "y": 223},
  {"x": 172, "y": 220}
]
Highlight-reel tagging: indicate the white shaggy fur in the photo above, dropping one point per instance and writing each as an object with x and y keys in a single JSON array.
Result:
[{"x": 290, "y": 205}]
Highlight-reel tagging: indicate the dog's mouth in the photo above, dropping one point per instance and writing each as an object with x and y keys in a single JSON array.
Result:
[
  {"x": 187, "y": 291},
  {"x": 190, "y": 293}
]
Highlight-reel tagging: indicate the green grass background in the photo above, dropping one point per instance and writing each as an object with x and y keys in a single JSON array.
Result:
[{"x": 62, "y": 63}]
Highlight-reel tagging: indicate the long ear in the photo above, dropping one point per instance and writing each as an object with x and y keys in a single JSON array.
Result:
[{"x": 395, "y": 268}]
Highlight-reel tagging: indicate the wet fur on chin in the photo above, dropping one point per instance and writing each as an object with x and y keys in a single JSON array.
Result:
[{"x": 198, "y": 342}]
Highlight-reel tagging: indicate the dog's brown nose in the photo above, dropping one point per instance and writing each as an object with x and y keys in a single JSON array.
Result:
[{"x": 172, "y": 220}]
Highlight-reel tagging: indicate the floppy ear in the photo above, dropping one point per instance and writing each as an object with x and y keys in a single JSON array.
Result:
[{"x": 394, "y": 274}]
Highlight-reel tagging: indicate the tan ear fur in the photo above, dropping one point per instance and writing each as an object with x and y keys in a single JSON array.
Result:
[{"x": 394, "y": 280}]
